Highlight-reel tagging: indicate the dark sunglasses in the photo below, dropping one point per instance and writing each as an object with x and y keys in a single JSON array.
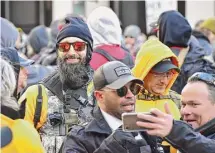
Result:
[
  {"x": 206, "y": 77},
  {"x": 121, "y": 92},
  {"x": 65, "y": 47}
]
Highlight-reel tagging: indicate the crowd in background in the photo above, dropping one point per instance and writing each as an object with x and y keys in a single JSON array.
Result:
[{"x": 167, "y": 60}]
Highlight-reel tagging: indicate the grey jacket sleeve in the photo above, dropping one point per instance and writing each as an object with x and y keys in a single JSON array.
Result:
[{"x": 186, "y": 140}]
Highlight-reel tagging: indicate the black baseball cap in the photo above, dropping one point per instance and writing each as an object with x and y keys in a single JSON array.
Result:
[
  {"x": 154, "y": 24},
  {"x": 164, "y": 66},
  {"x": 113, "y": 75}
]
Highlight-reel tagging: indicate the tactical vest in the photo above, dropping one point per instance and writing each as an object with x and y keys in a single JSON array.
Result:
[
  {"x": 65, "y": 109},
  {"x": 127, "y": 60}
]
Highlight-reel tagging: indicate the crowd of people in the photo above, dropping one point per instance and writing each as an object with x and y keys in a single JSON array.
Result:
[{"x": 64, "y": 88}]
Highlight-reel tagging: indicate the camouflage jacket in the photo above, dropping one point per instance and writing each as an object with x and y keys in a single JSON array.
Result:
[{"x": 59, "y": 121}]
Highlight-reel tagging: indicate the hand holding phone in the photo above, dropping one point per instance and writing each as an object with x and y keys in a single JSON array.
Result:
[{"x": 160, "y": 124}]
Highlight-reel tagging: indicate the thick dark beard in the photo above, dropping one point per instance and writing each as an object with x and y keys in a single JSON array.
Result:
[{"x": 73, "y": 76}]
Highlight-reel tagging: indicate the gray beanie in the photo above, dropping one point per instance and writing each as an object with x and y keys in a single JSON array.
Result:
[{"x": 132, "y": 31}]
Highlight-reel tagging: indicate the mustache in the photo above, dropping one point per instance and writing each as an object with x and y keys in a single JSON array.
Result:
[
  {"x": 128, "y": 102},
  {"x": 73, "y": 56}
]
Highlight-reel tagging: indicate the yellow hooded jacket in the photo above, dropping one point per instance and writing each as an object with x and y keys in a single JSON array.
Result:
[
  {"x": 152, "y": 52},
  {"x": 19, "y": 136}
]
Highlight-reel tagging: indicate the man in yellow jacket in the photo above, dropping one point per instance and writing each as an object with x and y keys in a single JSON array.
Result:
[{"x": 158, "y": 67}]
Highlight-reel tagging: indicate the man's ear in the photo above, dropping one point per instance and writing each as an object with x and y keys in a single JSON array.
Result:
[{"x": 99, "y": 95}]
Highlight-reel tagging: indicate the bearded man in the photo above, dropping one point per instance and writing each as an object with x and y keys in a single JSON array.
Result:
[{"x": 69, "y": 90}]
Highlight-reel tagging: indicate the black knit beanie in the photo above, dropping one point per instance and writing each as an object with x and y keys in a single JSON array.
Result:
[{"x": 76, "y": 27}]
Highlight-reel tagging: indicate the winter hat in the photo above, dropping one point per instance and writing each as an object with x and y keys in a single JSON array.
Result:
[
  {"x": 76, "y": 27},
  {"x": 209, "y": 24},
  {"x": 104, "y": 26},
  {"x": 132, "y": 31},
  {"x": 9, "y": 33},
  {"x": 38, "y": 38}
]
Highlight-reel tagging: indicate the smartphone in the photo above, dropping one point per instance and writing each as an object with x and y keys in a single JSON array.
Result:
[{"x": 129, "y": 122}]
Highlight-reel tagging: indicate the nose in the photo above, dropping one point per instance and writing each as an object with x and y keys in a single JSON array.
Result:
[
  {"x": 164, "y": 79},
  {"x": 185, "y": 110},
  {"x": 71, "y": 51},
  {"x": 129, "y": 94}
]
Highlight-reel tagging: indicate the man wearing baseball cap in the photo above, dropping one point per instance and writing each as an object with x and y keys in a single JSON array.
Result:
[
  {"x": 115, "y": 90},
  {"x": 158, "y": 67}
]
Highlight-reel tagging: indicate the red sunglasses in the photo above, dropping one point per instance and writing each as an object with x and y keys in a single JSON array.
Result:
[{"x": 65, "y": 46}]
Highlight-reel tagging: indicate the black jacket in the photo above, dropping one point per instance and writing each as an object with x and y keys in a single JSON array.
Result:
[
  {"x": 97, "y": 137},
  {"x": 185, "y": 139}
]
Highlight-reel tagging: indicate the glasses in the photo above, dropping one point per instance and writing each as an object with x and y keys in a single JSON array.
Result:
[
  {"x": 65, "y": 47},
  {"x": 121, "y": 92},
  {"x": 206, "y": 77},
  {"x": 168, "y": 74},
  {"x": 129, "y": 37}
]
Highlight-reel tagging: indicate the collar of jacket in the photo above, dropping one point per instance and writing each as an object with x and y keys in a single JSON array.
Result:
[
  {"x": 98, "y": 124},
  {"x": 207, "y": 129},
  {"x": 199, "y": 34}
]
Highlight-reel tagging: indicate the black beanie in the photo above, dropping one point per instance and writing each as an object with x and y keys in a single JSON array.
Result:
[{"x": 76, "y": 27}]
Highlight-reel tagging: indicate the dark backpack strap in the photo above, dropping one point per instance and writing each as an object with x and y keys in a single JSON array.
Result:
[
  {"x": 22, "y": 108},
  {"x": 127, "y": 60},
  {"x": 38, "y": 108},
  {"x": 105, "y": 54}
]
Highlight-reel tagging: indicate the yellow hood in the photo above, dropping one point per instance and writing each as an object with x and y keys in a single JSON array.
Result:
[
  {"x": 150, "y": 53},
  {"x": 24, "y": 137}
]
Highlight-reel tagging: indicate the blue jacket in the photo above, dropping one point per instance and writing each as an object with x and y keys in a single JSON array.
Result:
[
  {"x": 204, "y": 42},
  {"x": 194, "y": 62},
  {"x": 175, "y": 32}
]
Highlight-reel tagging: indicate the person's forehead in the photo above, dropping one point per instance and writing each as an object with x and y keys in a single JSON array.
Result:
[
  {"x": 195, "y": 91},
  {"x": 72, "y": 39}
]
